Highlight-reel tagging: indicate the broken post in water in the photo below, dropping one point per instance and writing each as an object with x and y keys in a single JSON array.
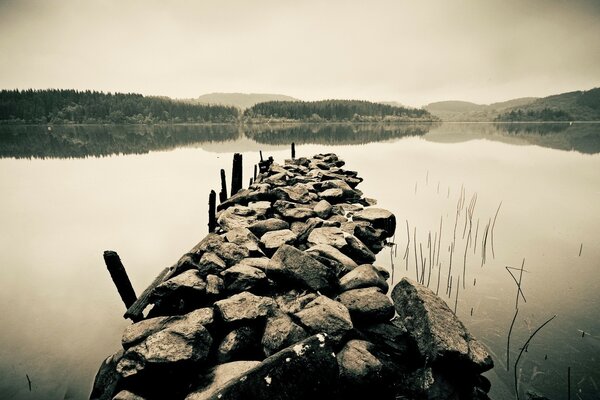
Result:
[
  {"x": 119, "y": 276},
  {"x": 293, "y": 150},
  {"x": 212, "y": 211},
  {"x": 223, "y": 192},
  {"x": 236, "y": 174}
]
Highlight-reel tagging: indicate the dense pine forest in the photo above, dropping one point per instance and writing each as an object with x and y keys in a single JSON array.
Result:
[
  {"x": 334, "y": 110},
  {"x": 72, "y": 106}
]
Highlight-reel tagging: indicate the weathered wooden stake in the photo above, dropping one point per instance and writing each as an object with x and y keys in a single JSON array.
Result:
[
  {"x": 260, "y": 152},
  {"x": 293, "y": 150},
  {"x": 250, "y": 184},
  {"x": 212, "y": 211},
  {"x": 223, "y": 192},
  {"x": 236, "y": 174},
  {"x": 119, "y": 276},
  {"x": 254, "y": 177}
]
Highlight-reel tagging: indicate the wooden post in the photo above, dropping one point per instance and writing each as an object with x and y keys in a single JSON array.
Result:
[
  {"x": 223, "y": 192},
  {"x": 119, "y": 276},
  {"x": 254, "y": 172},
  {"x": 260, "y": 152},
  {"x": 250, "y": 184},
  {"x": 293, "y": 150},
  {"x": 212, "y": 211},
  {"x": 236, "y": 175}
]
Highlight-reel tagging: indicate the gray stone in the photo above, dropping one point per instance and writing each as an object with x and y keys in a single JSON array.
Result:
[
  {"x": 241, "y": 277},
  {"x": 243, "y": 237},
  {"x": 439, "y": 335},
  {"x": 261, "y": 208},
  {"x": 236, "y": 217},
  {"x": 275, "y": 239},
  {"x": 393, "y": 338},
  {"x": 210, "y": 263},
  {"x": 297, "y": 193},
  {"x": 294, "y": 211},
  {"x": 187, "y": 285},
  {"x": 259, "y": 228},
  {"x": 326, "y": 315},
  {"x": 218, "y": 377},
  {"x": 214, "y": 285},
  {"x": 177, "y": 347},
  {"x": 293, "y": 265},
  {"x": 357, "y": 250},
  {"x": 231, "y": 253},
  {"x": 245, "y": 306},
  {"x": 256, "y": 262},
  {"x": 239, "y": 344},
  {"x": 363, "y": 276},
  {"x": 281, "y": 332},
  {"x": 379, "y": 219},
  {"x": 371, "y": 237},
  {"x": 323, "y": 209},
  {"x": 367, "y": 305},
  {"x": 136, "y": 333},
  {"x": 330, "y": 236},
  {"x": 327, "y": 251},
  {"x": 306, "y": 370}
]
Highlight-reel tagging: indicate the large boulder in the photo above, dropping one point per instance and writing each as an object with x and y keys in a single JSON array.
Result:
[
  {"x": 244, "y": 307},
  {"x": 169, "y": 350},
  {"x": 306, "y": 370},
  {"x": 325, "y": 315},
  {"x": 293, "y": 265},
  {"x": 378, "y": 218},
  {"x": 439, "y": 335},
  {"x": 367, "y": 305}
]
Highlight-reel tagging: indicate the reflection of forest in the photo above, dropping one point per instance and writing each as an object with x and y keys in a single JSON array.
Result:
[
  {"x": 336, "y": 134},
  {"x": 76, "y": 141},
  {"x": 581, "y": 137}
]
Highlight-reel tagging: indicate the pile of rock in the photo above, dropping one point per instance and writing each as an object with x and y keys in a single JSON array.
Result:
[{"x": 284, "y": 302}]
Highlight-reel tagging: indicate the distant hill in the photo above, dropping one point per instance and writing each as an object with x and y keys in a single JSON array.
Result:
[
  {"x": 571, "y": 106},
  {"x": 334, "y": 110},
  {"x": 464, "y": 111},
  {"x": 240, "y": 100}
]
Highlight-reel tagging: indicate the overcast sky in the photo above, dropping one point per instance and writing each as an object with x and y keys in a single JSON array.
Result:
[{"x": 414, "y": 52}]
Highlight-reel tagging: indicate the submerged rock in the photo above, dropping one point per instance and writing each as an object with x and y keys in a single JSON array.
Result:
[{"x": 439, "y": 335}]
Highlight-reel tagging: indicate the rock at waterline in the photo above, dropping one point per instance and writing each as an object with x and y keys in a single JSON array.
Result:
[
  {"x": 363, "y": 276},
  {"x": 379, "y": 219},
  {"x": 107, "y": 378},
  {"x": 439, "y": 335}
]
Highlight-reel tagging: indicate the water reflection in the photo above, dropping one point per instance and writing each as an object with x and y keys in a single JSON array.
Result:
[{"x": 78, "y": 141}]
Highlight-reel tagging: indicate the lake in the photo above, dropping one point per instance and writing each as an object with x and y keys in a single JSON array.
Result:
[{"x": 527, "y": 194}]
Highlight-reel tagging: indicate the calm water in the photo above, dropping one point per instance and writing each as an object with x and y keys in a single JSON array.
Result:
[{"x": 72, "y": 193}]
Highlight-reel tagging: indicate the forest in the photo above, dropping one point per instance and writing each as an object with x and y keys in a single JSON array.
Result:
[
  {"x": 334, "y": 110},
  {"x": 72, "y": 106}
]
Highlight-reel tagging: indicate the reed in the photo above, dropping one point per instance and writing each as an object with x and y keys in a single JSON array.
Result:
[
  {"x": 512, "y": 324},
  {"x": 456, "y": 298},
  {"x": 430, "y": 257},
  {"x": 407, "y": 251},
  {"x": 521, "y": 353},
  {"x": 437, "y": 289},
  {"x": 439, "y": 240},
  {"x": 476, "y": 234},
  {"x": 580, "y": 248},
  {"x": 415, "y": 249},
  {"x": 493, "y": 226},
  {"x": 422, "y": 265}
]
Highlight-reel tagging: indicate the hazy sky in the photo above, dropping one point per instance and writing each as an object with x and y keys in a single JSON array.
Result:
[{"x": 414, "y": 52}]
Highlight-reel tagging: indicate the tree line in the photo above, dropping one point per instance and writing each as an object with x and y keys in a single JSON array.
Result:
[
  {"x": 334, "y": 110},
  {"x": 72, "y": 106},
  {"x": 545, "y": 114}
]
